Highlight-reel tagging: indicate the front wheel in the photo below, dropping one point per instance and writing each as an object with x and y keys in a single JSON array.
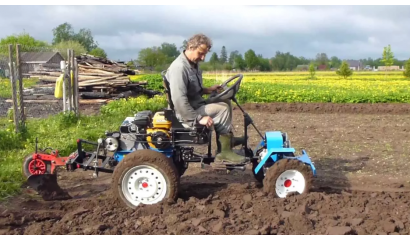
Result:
[
  {"x": 145, "y": 177},
  {"x": 288, "y": 176}
]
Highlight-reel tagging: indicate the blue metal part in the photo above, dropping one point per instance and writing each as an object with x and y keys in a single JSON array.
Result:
[
  {"x": 118, "y": 156},
  {"x": 274, "y": 145}
]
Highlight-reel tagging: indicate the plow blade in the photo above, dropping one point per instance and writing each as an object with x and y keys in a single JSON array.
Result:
[{"x": 46, "y": 185}]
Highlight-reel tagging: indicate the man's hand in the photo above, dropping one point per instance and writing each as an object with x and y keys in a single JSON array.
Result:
[
  {"x": 209, "y": 90},
  {"x": 207, "y": 120}
]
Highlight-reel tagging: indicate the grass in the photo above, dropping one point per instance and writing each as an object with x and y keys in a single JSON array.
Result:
[
  {"x": 5, "y": 86},
  {"x": 60, "y": 132}
]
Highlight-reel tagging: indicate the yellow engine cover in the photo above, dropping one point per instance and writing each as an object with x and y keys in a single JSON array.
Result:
[
  {"x": 159, "y": 121},
  {"x": 154, "y": 130}
]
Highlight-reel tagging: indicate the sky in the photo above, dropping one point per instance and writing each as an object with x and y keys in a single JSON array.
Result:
[{"x": 348, "y": 32}]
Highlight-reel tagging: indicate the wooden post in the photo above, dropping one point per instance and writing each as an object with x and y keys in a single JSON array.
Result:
[
  {"x": 73, "y": 80},
  {"x": 13, "y": 88},
  {"x": 69, "y": 92},
  {"x": 20, "y": 78},
  {"x": 76, "y": 95}
]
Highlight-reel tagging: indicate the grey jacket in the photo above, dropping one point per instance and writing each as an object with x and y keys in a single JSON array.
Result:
[{"x": 186, "y": 87}]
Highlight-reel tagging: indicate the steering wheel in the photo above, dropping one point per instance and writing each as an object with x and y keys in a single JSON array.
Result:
[{"x": 228, "y": 93}]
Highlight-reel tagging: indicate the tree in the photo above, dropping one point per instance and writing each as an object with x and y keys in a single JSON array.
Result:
[
  {"x": 344, "y": 70},
  {"x": 312, "y": 70},
  {"x": 224, "y": 55},
  {"x": 239, "y": 62},
  {"x": 170, "y": 51},
  {"x": 251, "y": 59},
  {"x": 98, "y": 52},
  {"x": 70, "y": 44},
  {"x": 214, "y": 60},
  {"x": 85, "y": 37},
  {"x": 65, "y": 32},
  {"x": 388, "y": 57},
  {"x": 27, "y": 42},
  {"x": 406, "y": 72},
  {"x": 322, "y": 59},
  {"x": 335, "y": 62},
  {"x": 232, "y": 57},
  {"x": 184, "y": 45},
  {"x": 151, "y": 57}
]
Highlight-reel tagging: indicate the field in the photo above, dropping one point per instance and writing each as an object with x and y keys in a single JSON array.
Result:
[{"x": 360, "y": 151}]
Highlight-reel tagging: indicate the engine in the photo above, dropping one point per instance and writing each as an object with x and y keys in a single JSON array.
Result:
[{"x": 159, "y": 134}]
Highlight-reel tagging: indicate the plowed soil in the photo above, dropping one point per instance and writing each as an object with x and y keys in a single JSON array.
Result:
[{"x": 362, "y": 184}]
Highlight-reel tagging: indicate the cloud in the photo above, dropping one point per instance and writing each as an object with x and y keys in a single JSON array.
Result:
[{"x": 345, "y": 31}]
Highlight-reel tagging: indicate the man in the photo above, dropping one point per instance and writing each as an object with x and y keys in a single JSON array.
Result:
[{"x": 185, "y": 80}]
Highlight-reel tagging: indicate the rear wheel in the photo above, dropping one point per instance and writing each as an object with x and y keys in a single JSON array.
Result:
[
  {"x": 288, "y": 176},
  {"x": 145, "y": 177}
]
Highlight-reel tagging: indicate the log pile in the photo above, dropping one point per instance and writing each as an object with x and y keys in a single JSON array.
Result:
[{"x": 98, "y": 78}]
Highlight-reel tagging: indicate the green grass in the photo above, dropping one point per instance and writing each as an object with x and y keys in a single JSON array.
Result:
[
  {"x": 5, "y": 86},
  {"x": 60, "y": 132}
]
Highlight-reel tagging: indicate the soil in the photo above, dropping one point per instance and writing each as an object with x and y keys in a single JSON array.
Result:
[{"x": 362, "y": 184}]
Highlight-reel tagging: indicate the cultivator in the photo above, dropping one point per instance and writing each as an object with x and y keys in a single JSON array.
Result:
[{"x": 151, "y": 151}]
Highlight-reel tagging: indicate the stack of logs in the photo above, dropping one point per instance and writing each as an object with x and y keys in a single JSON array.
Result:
[{"x": 98, "y": 78}]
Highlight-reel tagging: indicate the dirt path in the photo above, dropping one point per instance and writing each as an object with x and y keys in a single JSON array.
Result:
[{"x": 362, "y": 187}]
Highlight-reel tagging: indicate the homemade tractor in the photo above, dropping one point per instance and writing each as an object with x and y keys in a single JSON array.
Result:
[{"x": 151, "y": 151}]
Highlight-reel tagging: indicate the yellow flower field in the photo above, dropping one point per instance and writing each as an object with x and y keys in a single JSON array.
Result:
[{"x": 362, "y": 87}]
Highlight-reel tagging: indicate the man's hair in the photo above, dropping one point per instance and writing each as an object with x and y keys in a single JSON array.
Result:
[{"x": 197, "y": 40}]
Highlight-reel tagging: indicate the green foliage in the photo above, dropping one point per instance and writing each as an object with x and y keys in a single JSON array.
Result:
[
  {"x": 251, "y": 60},
  {"x": 335, "y": 62},
  {"x": 65, "y": 32},
  {"x": 388, "y": 56},
  {"x": 224, "y": 56},
  {"x": 5, "y": 86},
  {"x": 344, "y": 70},
  {"x": 312, "y": 70},
  {"x": 406, "y": 72},
  {"x": 98, "y": 52},
  {"x": 27, "y": 42},
  {"x": 151, "y": 57},
  {"x": 70, "y": 44},
  {"x": 213, "y": 61}
]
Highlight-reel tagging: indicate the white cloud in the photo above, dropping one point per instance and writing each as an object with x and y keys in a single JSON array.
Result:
[{"x": 344, "y": 31}]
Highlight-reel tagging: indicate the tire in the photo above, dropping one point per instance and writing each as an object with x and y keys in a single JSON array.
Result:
[
  {"x": 258, "y": 176},
  {"x": 27, "y": 166},
  {"x": 157, "y": 175},
  {"x": 285, "y": 169}
]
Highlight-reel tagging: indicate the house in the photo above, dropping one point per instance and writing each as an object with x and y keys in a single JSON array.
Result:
[
  {"x": 355, "y": 65},
  {"x": 35, "y": 61},
  {"x": 302, "y": 67}
]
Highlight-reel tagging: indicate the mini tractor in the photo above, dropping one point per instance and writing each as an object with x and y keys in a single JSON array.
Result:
[{"x": 151, "y": 151}]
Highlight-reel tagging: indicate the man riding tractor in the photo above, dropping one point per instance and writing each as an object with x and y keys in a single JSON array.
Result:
[{"x": 185, "y": 81}]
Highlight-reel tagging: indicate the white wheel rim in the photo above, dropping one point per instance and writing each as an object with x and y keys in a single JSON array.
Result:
[
  {"x": 144, "y": 184},
  {"x": 290, "y": 181}
]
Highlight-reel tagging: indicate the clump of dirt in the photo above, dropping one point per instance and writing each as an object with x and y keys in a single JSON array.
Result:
[{"x": 236, "y": 209}]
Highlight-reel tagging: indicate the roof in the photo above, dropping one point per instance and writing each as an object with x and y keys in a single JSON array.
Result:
[
  {"x": 40, "y": 57},
  {"x": 354, "y": 63}
]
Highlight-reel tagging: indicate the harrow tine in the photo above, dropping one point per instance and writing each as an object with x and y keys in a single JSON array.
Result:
[{"x": 46, "y": 185}]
